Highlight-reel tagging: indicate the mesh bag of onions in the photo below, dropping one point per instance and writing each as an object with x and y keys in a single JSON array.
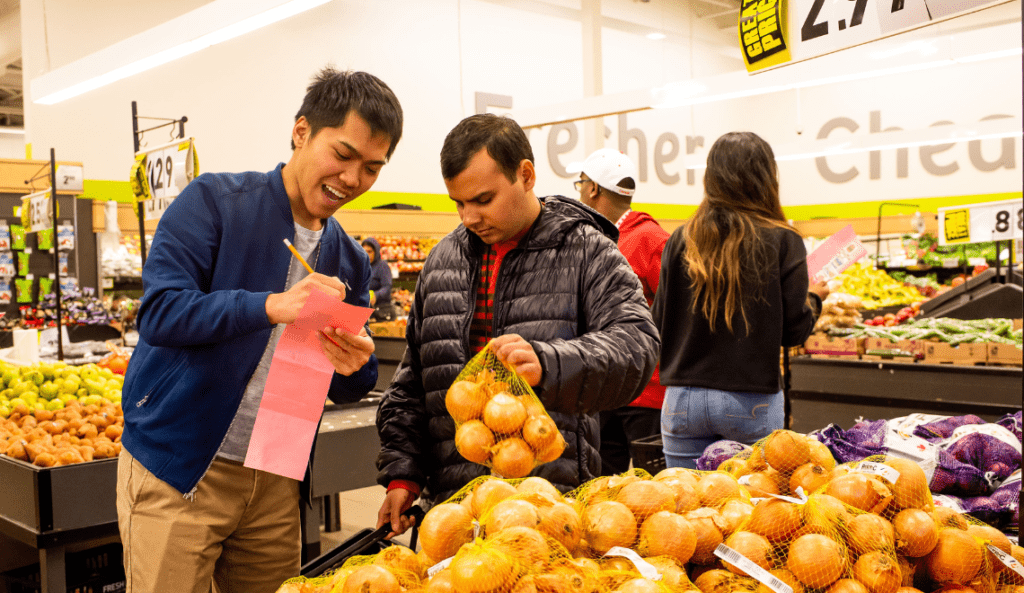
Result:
[{"x": 499, "y": 421}]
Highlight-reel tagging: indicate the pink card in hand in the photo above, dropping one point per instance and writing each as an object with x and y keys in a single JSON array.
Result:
[
  {"x": 838, "y": 252},
  {"x": 296, "y": 388}
]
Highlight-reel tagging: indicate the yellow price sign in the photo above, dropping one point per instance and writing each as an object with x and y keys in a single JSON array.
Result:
[{"x": 957, "y": 225}]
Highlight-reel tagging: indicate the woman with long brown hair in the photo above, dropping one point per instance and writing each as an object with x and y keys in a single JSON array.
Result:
[{"x": 733, "y": 290}]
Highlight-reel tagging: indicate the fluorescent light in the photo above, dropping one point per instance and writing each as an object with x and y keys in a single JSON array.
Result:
[
  {"x": 208, "y": 25},
  {"x": 656, "y": 36},
  {"x": 4, "y": 130}
]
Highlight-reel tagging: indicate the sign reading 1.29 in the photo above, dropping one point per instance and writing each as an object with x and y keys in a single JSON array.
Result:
[{"x": 160, "y": 171}]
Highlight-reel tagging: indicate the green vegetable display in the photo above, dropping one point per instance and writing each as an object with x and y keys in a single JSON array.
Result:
[{"x": 941, "y": 329}]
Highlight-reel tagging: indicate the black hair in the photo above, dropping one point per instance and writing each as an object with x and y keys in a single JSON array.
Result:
[
  {"x": 333, "y": 94},
  {"x": 504, "y": 140}
]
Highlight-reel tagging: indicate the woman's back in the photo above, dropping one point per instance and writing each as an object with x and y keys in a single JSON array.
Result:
[{"x": 745, "y": 358}]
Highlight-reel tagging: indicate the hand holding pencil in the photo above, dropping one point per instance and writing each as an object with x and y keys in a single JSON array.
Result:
[
  {"x": 284, "y": 307},
  {"x": 348, "y": 353}
]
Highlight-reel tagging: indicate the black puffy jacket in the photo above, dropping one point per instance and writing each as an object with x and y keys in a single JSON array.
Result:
[{"x": 568, "y": 291}]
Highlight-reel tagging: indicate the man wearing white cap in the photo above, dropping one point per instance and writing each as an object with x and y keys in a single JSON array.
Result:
[{"x": 607, "y": 183}]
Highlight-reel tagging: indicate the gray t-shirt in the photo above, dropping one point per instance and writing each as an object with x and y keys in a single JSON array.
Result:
[{"x": 236, "y": 443}]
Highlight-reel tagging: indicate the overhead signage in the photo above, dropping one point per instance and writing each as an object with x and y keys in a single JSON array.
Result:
[
  {"x": 979, "y": 223},
  {"x": 819, "y": 27},
  {"x": 763, "y": 33},
  {"x": 158, "y": 175}
]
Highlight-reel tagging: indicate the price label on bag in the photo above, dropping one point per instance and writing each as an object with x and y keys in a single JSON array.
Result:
[
  {"x": 39, "y": 211},
  {"x": 978, "y": 223},
  {"x": 168, "y": 169}
]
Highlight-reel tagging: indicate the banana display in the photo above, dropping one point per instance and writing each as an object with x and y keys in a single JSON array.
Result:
[{"x": 875, "y": 287}]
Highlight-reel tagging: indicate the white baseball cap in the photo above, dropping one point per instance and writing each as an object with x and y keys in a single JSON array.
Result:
[{"x": 607, "y": 167}]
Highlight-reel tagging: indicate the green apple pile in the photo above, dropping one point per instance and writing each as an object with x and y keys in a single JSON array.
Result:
[{"x": 50, "y": 386}]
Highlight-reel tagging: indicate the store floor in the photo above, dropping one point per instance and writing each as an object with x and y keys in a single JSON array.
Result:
[{"x": 358, "y": 511}]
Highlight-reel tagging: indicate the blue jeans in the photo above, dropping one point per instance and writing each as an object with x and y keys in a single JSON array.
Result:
[{"x": 694, "y": 417}]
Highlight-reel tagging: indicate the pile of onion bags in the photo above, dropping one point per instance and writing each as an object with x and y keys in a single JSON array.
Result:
[{"x": 967, "y": 459}]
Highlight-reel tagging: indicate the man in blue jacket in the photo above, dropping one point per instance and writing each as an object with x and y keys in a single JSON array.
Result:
[{"x": 220, "y": 286}]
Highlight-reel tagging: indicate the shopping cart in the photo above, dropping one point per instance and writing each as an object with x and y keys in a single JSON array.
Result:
[{"x": 366, "y": 542}]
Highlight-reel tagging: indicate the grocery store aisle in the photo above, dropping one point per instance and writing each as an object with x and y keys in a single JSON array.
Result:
[{"x": 358, "y": 511}]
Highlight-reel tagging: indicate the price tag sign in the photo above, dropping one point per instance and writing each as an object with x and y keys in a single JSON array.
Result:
[
  {"x": 818, "y": 27},
  {"x": 69, "y": 178},
  {"x": 38, "y": 208},
  {"x": 168, "y": 169},
  {"x": 154, "y": 209},
  {"x": 824, "y": 26},
  {"x": 978, "y": 223}
]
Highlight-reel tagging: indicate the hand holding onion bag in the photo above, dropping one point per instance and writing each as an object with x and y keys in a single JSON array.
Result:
[{"x": 499, "y": 421}]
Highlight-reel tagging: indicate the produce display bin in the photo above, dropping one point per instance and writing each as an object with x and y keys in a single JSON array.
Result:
[
  {"x": 50, "y": 508},
  {"x": 841, "y": 391}
]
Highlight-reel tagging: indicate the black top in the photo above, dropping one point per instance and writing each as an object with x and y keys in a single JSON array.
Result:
[{"x": 693, "y": 356}]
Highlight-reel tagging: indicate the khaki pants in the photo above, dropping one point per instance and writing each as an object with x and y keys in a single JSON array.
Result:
[{"x": 241, "y": 531}]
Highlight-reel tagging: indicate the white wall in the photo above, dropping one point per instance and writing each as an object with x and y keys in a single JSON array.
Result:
[
  {"x": 12, "y": 146},
  {"x": 240, "y": 96}
]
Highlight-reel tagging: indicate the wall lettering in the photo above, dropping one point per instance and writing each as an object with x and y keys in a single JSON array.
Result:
[
  {"x": 1007, "y": 155},
  {"x": 927, "y": 152}
]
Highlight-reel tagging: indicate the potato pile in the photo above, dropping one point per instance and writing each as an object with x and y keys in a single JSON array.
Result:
[
  {"x": 839, "y": 310},
  {"x": 73, "y": 434}
]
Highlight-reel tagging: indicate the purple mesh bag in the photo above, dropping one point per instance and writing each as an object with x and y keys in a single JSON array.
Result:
[
  {"x": 943, "y": 429},
  {"x": 863, "y": 439},
  {"x": 992, "y": 456},
  {"x": 984, "y": 508},
  {"x": 1012, "y": 423},
  {"x": 718, "y": 452}
]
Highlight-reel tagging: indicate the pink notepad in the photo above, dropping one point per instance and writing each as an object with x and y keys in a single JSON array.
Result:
[
  {"x": 838, "y": 252},
  {"x": 296, "y": 388}
]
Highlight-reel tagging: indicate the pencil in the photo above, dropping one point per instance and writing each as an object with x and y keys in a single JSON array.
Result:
[
  {"x": 298, "y": 255},
  {"x": 302, "y": 260}
]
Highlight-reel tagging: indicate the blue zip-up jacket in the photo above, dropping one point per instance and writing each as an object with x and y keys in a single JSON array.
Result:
[{"x": 217, "y": 255}]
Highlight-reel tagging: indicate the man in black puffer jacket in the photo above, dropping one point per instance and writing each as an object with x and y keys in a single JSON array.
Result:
[{"x": 544, "y": 278}]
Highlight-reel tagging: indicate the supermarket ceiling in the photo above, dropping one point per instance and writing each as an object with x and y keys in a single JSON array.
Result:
[{"x": 722, "y": 13}]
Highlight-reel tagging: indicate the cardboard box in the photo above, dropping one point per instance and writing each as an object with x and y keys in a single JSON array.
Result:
[
  {"x": 1007, "y": 354},
  {"x": 823, "y": 344},
  {"x": 913, "y": 347},
  {"x": 389, "y": 329},
  {"x": 962, "y": 354},
  {"x": 1018, "y": 323}
]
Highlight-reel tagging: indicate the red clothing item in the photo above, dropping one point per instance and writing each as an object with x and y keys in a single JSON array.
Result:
[
  {"x": 483, "y": 318},
  {"x": 642, "y": 240}
]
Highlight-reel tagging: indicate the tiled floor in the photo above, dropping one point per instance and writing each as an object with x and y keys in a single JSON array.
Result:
[{"x": 358, "y": 511}]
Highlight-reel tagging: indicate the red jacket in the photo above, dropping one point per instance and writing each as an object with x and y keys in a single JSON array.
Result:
[{"x": 641, "y": 240}]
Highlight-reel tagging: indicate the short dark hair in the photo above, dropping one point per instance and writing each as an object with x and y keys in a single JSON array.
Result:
[
  {"x": 333, "y": 94},
  {"x": 504, "y": 140}
]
